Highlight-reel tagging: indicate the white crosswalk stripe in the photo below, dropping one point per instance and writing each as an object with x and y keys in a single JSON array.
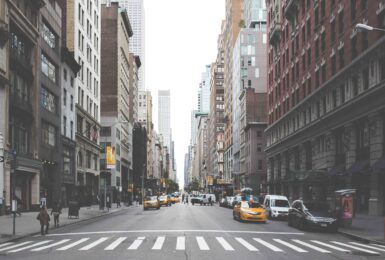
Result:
[
  {"x": 180, "y": 243},
  {"x": 93, "y": 244},
  {"x": 316, "y": 248},
  {"x": 202, "y": 243},
  {"x": 14, "y": 246},
  {"x": 268, "y": 245},
  {"x": 246, "y": 244},
  {"x": 158, "y": 243},
  {"x": 73, "y": 244},
  {"x": 51, "y": 245},
  {"x": 6, "y": 244},
  {"x": 224, "y": 244},
  {"x": 136, "y": 244},
  {"x": 356, "y": 248},
  {"x": 115, "y": 244},
  {"x": 383, "y": 246},
  {"x": 330, "y": 246},
  {"x": 295, "y": 248},
  {"x": 30, "y": 246},
  {"x": 368, "y": 246}
]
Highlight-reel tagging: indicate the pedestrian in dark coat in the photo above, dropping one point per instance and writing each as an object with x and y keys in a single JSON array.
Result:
[
  {"x": 44, "y": 219},
  {"x": 56, "y": 211}
]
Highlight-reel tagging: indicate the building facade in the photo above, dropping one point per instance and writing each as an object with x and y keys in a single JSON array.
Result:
[
  {"x": 164, "y": 116},
  {"x": 326, "y": 114}
]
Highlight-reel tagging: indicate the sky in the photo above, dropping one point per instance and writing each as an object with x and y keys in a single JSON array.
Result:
[{"x": 181, "y": 38}]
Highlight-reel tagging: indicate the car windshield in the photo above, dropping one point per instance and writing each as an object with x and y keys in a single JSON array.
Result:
[
  {"x": 162, "y": 197},
  {"x": 280, "y": 203},
  {"x": 250, "y": 205},
  {"x": 150, "y": 198}
]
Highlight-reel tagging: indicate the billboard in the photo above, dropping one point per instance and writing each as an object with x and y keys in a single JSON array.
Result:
[{"x": 110, "y": 157}]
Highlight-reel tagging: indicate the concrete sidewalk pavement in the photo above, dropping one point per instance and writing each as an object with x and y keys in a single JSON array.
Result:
[{"x": 27, "y": 224}]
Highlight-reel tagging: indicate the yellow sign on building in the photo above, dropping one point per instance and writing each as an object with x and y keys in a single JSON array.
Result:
[{"x": 110, "y": 157}]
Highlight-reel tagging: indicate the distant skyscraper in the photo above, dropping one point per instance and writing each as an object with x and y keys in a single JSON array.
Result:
[
  {"x": 136, "y": 14},
  {"x": 204, "y": 91},
  {"x": 164, "y": 122}
]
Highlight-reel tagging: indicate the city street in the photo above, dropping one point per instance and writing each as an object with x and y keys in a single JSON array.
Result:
[{"x": 185, "y": 232}]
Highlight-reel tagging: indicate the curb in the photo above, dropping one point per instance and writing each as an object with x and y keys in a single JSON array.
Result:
[
  {"x": 16, "y": 237},
  {"x": 360, "y": 238}
]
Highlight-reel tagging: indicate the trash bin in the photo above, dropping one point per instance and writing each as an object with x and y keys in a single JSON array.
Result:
[
  {"x": 73, "y": 209},
  {"x": 344, "y": 206}
]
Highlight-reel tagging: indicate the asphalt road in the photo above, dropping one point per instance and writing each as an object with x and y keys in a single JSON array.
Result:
[{"x": 185, "y": 232}]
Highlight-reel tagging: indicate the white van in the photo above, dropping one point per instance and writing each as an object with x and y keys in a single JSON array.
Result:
[{"x": 277, "y": 206}]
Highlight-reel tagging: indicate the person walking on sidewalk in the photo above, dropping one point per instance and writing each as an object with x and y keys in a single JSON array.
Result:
[
  {"x": 44, "y": 219},
  {"x": 56, "y": 211}
]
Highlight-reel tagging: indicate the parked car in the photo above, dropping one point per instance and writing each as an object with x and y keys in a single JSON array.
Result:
[
  {"x": 151, "y": 202},
  {"x": 207, "y": 199},
  {"x": 196, "y": 199},
  {"x": 249, "y": 211},
  {"x": 223, "y": 202},
  {"x": 165, "y": 200},
  {"x": 230, "y": 200},
  {"x": 277, "y": 206},
  {"x": 314, "y": 219}
]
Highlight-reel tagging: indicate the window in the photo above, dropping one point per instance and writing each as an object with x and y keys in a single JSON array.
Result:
[
  {"x": 72, "y": 103},
  {"x": 48, "y": 36},
  {"x": 317, "y": 79},
  {"x": 48, "y": 68},
  {"x": 342, "y": 58},
  {"x": 316, "y": 18},
  {"x": 249, "y": 83},
  {"x": 48, "y": 133},
  {"x": 342, "y": 94},
  {"x": 64, "y": 97},
  {"x": 117, "y": 166},
  {"x": 117, "y": 149},
  {"x": 334, "y": 65},
  {"x": 365, "y": 78},
  {"x": 364, "y": 4},
  {"x": 118, "y": 134},
  {"x": 64, "y": 125},
  {"x": 323, "y": 8},
  {"x": 323, "y": 41},
  {"x": 72, "y": 130},
  {"x": 323, "y": 73},
  {"x": 105, "y": 131},
  {"x": 341, "y": 22},
  {"x": 382, "y": 67},
  {"x": 88, "y": 158},
  {"x": 365, "y": 42},
  {"x": 309, "y": 58},
  {"x": 259, "y": 147},
  {"x": 354, "y": 47},
  {"x": 47, "y": 100},
  {"x": 260, "y": 166},
  {"x": 79, "y": 126},
  {"x": 333, "y": 30},
  {"x": 355, "y": 85},
  {"x": 334, "y": 98},
  {"x": 308, "y": 27},
  {"x": 317, "y": 48},
  {"x": 353, "y": 9}
]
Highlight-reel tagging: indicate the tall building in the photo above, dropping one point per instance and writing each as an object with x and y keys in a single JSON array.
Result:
[
  {"x": 204, "y": 91},
  {"x": 115, "y": 90},
  {"x": 164, "y": 116},
  {"x": 255, "y": 14},
  {"x": 326, "y": 111},
  {"x": 81, "y": 34},
  {"x": 136, "y": 13}
]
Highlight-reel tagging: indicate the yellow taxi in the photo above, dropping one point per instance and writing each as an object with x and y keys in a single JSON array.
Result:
[
  {"x": 175, "y": 199},
  {"x": 151, "y": 202},
  {"x": 249, "y": 211},
  {"x": 165, "y": 200}
]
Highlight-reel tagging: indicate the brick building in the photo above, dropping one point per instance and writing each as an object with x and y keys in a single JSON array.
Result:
[{"x": 326, "y": 92}]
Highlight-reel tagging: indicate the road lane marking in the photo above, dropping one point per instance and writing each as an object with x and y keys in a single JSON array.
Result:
[
  {"x": 14, "y": 246},
  {"x": 356, "y": 248},
  {"x": 73, "y": 244},
  {"x": 224, "y": 244},
  {"x": 368, "y": 246},
  {"x": 30, "y": 246},
  {"x": 51, "y": 245},
  {"x": 6, "y": 244},
  {"x": 268, "y": 245},
  {"x": 158, "y": 243},
  {"x": 116, "y": 243},
  {"x": 296, "y": 248},
  {"x": 136, "y": 244},
  {"x": 330, "y": 246},
  {"x": 175, "y": 231},
  {"x": 316, "y": 248},
  {"x": 93, "y": 244},
  {"x": 180, "y": 243},
  {"x": 246, "y": 244},
  {"x": 378, "y": 245},
  {"x": 202, "y": 243}
]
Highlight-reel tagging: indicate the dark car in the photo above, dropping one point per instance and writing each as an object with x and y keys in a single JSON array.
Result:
[{"x": 313, "y": 219}]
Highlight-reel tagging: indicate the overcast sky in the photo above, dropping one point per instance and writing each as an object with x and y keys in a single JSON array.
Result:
[{"x": 181, "y": 38}]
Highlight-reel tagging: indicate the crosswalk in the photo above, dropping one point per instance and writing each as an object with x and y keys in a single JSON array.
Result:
[{"x": 181, "y": 243}]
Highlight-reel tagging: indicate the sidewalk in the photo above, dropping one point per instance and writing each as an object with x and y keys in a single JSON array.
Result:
[
  {"x": 366, "y": 228},
  {"x": 26, "y": 224}
]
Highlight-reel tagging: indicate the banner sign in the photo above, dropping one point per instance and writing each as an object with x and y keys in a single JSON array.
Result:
[
  {"x": 110, "y": 157},
  {"x": 347, "y": 207}
]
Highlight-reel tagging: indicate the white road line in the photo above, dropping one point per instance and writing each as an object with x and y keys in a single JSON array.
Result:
[
  {"x": 73, "y": 244},
  {"x": 268, "y": 245},
  {"x": 6, "y": 244},
  {"x": 202, "y": 243},
  {"x": 224, "y": 244},
  {"x": 13, "y": 246},
  {"x": 158, "y": 243},
  {"x": 136, "y": 244},
  {"x": 330, "y": 246},
  {"x": 356, "y": 248},
  {"x": 93, "y": 244},
  {"x": 246, "y": 244},
  {"x": 51, "y": 245},
  {"x": 180, "y": 243},
  {"x": 296, "y": 248},
  {"x": 316, "y": 248},
  {"x": 378, "y": 245},
  {"x": 368, "y": 246},
  {"x": 116, "y": 243},
  {"x": 30, "y": 246}
]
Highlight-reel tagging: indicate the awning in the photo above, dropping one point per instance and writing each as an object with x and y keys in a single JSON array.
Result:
[
  {"x": 359, "y": 167},
  {"x": 338, "y": 170},
  {"x": 379, "y": 165}
]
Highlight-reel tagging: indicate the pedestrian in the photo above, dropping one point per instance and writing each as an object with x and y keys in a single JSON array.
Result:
[
  {"x": 210, "y": 201},
  {"x": 183, "y": 198},
  {"x": 19, "y": 203},
  {"x": 186, "y": 199},
  {"x": 118, "y": 202},
  {"x": 44, "y": 219},
  {"x": 56, "y": 211},
  {"x": 136, "y": 200},
  {"x": 108, "y": 203}
]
